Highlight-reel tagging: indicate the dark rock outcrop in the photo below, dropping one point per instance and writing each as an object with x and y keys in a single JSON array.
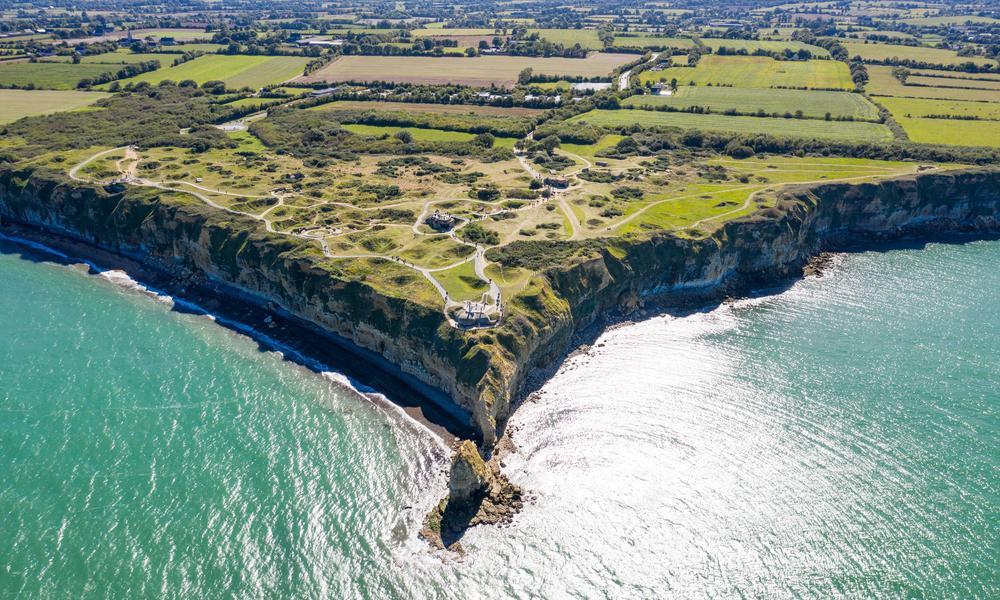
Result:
[{"x": 478, "y": 494}]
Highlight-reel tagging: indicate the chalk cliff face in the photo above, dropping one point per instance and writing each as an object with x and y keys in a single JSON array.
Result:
[{"x": 478, "y": 373}]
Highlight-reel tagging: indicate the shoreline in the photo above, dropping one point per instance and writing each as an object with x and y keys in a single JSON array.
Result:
[
  {"x": 687, "y": 301},
  {"x": 269, "y": 329}
]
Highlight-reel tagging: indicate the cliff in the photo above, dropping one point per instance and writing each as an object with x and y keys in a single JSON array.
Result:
[
  {"x": 764, "y": 246},
  {"x": 478, "y": 375}
]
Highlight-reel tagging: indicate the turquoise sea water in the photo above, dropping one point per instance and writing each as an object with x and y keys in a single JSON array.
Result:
[{"x": 836, "y": 439}]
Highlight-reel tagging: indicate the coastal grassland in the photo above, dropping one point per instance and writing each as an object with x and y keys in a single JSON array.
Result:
[
  {"x": 757, "y": 72},
  {"x": 49, "y": 76},
  {"x": 770, "y": 46},
  {"x": 243, "y": 102},
  {"x": 882, "y": 83},
  {"x": 590, "y": 150},
  {"x": 951, "y": 132},
  {"x": 480, "y": 71},
  {"x": 809, "y": 128},
  {"x": 15, "y": 104},
  {"x": 680, "y": 201},
  {"x": 235, "y": 71},
  {"x": 921, "y": 107},
  {"x": 937, "y": 56},
  {"x": 587, "y": 38},
  {"x": 462, "y": 282},
  {"x": 389, "y": 278},
  {"x": 423, "y": 107},
  {"x": 812, "y": 103},
  {"x": 425, "y": 135},
  {"x": 641, "y": 40}
]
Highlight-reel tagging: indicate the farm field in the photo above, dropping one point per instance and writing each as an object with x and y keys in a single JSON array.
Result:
[
  {"x": 49, "y": 76},
  {"x": 979, "y": 84},
  {"x": 951, "y": 20},
  {"x": 235, "y": 71},
  {"x": 449, "y": 32},
  {"x": 951, "y": 131},
  {"x": 480, "y": 71},
  {"x": 256, "y": 102},
  {"x": 748, "y": 100},
  {"x": 882, "y": 83},
  {"x": 918, "y": 107},
  {"x": 118, "y": 58},
  {"x": 587, "y": 38},
  {"x": 197, "y": 47},
  {"x": 757, "y": 72},
  {"x": 651, "y": 41},
  {"x": 180, "y": 35},
  {"x": 773, "y": 46},
  {"x": 15, "y": 104},
  {"x": 810, "y": 128},
  {"x": 919, "y": 53},
  {"x": 956, "y": 75},
  {"x": 451, "y": 109}
]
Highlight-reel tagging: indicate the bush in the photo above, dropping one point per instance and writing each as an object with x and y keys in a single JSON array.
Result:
[{"x": 738, "y": 150}]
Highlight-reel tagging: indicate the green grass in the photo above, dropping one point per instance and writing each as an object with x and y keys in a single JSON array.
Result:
[
  {"x": 589, "y": 150},
  {"x": 952, "y": 132},
  {"x": 50, "y": 76},
  {"x": 951, "y": 82},
  {"x": 758, "y": 72},
  {"x": 587, "y": 38},
  {"x": 255, "y": 102},
  {"x": 918, "y": 107},
  {"x": 919, "y": 53},
  {"x": 749, "y": 100},
  {"x": 461, "y": 282},
  {"x": 198, "y": 47},
  {"x": 772, "y": 46},
  {"x": 236, "y": 71},
  {"x": 15, "y": 104},
  {"x": 882, "y": 83},
  {"x": 953, "y": 20},
  {"x": 651, "y": 41},
  {"x": 424, "y": 135},
  {"x": 809, "y": 128},
  {"x": 119, "y": 58},
  {"x": 443, "y": 32}
]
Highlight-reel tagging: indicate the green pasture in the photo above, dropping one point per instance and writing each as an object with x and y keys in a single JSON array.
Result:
[
  {"x": 236, "y": 71},
  {"x": 749, "y": 100},
  {"x": 808, "y": 128},
  {"x": 758, "y": 72},
  {"x": 15, "y": 104},
  {"x": 49, "y": 76},
  {"x": 878, "y": 52}
]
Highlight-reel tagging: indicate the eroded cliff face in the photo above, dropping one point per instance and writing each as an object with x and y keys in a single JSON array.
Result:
[
  {"x": 479, "y": 373},
  {"x": 771, "y": 244},
  {"x": 181, "y": 237}
]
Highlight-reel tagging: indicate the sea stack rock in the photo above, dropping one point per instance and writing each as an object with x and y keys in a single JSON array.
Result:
[
  {"x": 470, "y": 477},
  {"x": 478, "y": 493}
]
